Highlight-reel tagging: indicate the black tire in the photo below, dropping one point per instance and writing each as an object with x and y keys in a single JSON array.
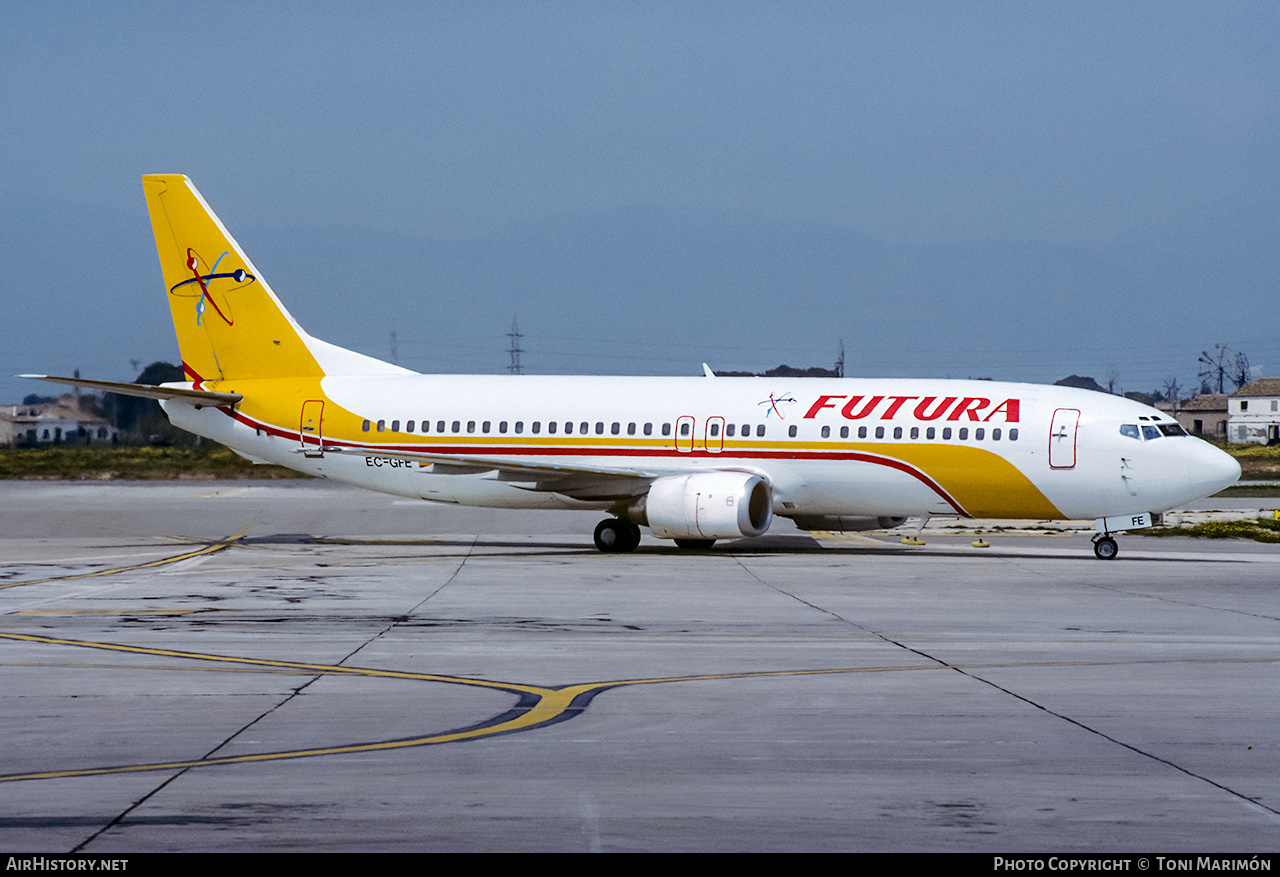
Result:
[
  {"x": 617, "y": 535},
  {"x": 610, "y": 536},
  {"x": 1105, "y": 548},
  {"x": 633, "y": 534},
  {"x": 695, "y": 544}
]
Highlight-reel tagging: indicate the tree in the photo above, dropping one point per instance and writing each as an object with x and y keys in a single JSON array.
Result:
[{"x": 142, "y": 418}]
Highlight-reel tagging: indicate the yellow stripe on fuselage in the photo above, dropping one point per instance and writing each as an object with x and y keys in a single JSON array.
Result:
[{"x": 982, "y": 482}]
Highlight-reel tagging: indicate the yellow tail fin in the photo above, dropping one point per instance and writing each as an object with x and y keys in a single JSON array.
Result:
[{"x": 230, "y": 324}]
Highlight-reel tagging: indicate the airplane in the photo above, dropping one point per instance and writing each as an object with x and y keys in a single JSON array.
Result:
[{"x": 694, "y": 459}]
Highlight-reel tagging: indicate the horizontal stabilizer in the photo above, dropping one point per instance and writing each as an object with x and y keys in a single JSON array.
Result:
[{"x": 198, "y": 398}]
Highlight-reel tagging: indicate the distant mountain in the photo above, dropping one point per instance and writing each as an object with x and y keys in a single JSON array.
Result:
[{"x": 1081, "y": 383}]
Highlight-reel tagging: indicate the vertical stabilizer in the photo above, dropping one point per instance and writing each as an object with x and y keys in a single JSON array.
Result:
[{"x": 230, "y": 324}]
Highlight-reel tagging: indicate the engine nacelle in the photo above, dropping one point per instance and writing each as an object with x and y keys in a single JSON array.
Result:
[
  {"x": 707, "y": 505},
  {"x": 846, "y": 523}
]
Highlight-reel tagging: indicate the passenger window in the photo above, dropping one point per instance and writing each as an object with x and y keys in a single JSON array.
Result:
[
  {"x": 792, "y": 432},
  {"x": 395, "y": 426},
  {"x": 502, "y": 427},
  {"x": 1013, "y": 435},
  {"x": 897, "y": 432},
  {"x": 615, "y": 428},
  {"x": 382, "y": 425},
  {"x": 440, "y": 426},
  {"x": 715, "y": 430},
  {"x": 915, "y": 433},
  {"x": 648, "y": 429},
  {"x": 979, "y": 433},
  {"x": 995, "y": 435},
  {"x": 666, "y": 429},
  {"x": 728, "y": 430},
  {"x": 964, "y": 433},
  {"x": 879, "y": 432},
  {"x": 631, "y": 429},
  {"x": 684, "y": 429},
  {"x": 536, "y": 428},
  {"x": 408, "y": 427},
  {"x": 862, "y": 432},
  {"x": 930, "y": 433},
  {"x": 599, "y": 428},
  {"x": 946, "y": 433},
  {"x": 568, "y": 428},
  {"x": 826, "y": 432},
  {"x": 471, "y": 426},
  {"x": 365, "y": 427},
  {"x": 519, "y": 427},
  {"x": 551, "y": 427},
  {"x": 760, "y": 431},
  {"x": 844, "y": 432},
  {"x": 584, "y": 428}
]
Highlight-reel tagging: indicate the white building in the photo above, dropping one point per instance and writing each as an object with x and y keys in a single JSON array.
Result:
[
  {"x": 1253, "y": 412},
  {"x": 1204, "y": 415},
  {"x": 51, "y": 422}
]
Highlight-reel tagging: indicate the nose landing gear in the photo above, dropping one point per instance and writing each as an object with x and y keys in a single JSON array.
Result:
[{"x": 1104, "y": 547}]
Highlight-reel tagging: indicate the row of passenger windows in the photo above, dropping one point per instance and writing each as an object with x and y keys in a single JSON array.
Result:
[
  {"x": 486, "y": 427},
  {"x": 930, "y": 433},
  {"x": 616, "y": 428}
]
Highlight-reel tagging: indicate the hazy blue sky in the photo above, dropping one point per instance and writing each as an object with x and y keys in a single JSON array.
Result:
[{"x": 1017, "y": 190}]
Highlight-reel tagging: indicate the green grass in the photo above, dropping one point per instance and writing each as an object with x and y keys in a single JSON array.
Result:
[
  {"x": 1257, "y": 462},
  {"x": 1258, "y": 529},
  {"x": 206, "y": 461},
  {"x": 1244, "y": 488}
]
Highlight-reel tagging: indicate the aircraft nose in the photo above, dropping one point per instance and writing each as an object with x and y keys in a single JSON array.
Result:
[{"x": 1211, "y": 470}]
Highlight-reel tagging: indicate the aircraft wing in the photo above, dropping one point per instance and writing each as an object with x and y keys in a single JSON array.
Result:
[
  {"x": 198, "y": 398},
  {"x": 579, "y": 482}
]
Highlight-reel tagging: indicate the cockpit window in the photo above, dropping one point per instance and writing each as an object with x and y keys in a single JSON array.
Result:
[{"x": 1147, "y": 432}]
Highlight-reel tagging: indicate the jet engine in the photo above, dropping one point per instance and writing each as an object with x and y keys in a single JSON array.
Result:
[{"x": 706, "y": 505}]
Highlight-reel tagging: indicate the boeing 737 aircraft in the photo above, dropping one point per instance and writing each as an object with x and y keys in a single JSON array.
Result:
[{"x": 693, "y": 459}]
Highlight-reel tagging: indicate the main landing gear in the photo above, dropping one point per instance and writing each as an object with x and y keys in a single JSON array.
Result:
[
  {"x": 617, "y": 535},
  {"x": 1104, "y": 547}
]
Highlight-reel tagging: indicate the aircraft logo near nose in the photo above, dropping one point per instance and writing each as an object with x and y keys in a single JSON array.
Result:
[
  {"x": 771, "y": 404},
  {"x": 211, "y": 286}
]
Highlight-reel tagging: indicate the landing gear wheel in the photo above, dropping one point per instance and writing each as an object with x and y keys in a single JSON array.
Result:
[
  {"x": 615, "y": 535},
  {"x": 1105, "y": 548},
  {"x": 694, "y": 544},
  {"x": 633, "y": 534}
]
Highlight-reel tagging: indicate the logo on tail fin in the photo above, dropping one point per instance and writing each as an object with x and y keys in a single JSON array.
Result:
[{"x": 212, "y": 287}]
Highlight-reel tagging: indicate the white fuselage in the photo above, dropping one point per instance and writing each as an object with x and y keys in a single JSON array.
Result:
[{"x": 880, "y": 447}]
